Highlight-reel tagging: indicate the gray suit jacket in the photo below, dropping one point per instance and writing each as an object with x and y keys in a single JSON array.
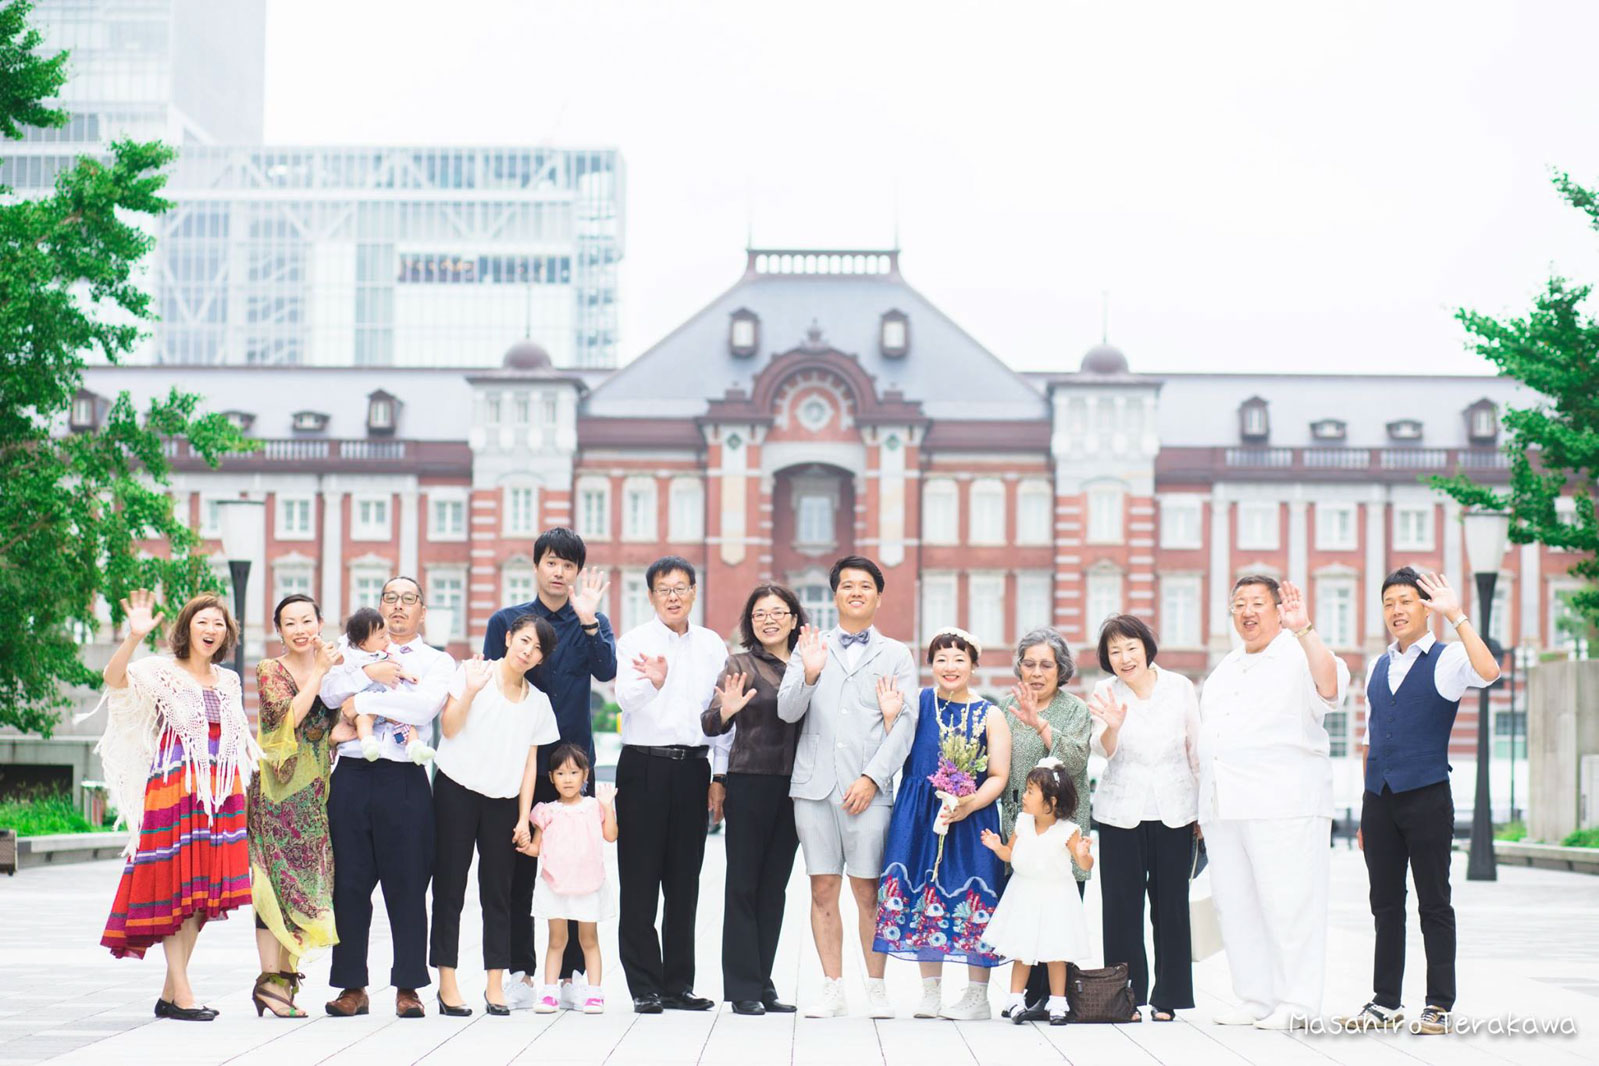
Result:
[{"x": 841, "y": 733}]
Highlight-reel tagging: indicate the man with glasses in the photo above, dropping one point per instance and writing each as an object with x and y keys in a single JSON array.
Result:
[
  {"x": 1265, "y": 803},
  {"x": 668, "y": 672},
  {"x": 380, "y": 813}
]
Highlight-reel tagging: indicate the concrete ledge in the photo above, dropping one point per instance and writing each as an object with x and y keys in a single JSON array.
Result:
[
  {"x": 60, "y": 848},
  {"x": 1548, "y": 856}
]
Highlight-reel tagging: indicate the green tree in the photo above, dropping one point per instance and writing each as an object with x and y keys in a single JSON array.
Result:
[
  {"x": 1553, "y": 445},
  {"x": 75, "y": 507}
]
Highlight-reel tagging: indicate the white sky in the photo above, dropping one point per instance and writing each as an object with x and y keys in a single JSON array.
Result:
[{"x": 1259, "y": 187}]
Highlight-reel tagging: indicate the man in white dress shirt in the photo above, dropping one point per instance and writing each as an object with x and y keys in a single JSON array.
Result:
[
  {"x": 380, "y": 813},
  {"x": 1265, "y": 802},
  {"x": 667, "y": 671}
]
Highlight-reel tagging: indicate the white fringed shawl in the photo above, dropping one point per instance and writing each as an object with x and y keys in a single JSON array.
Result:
[{"x": 163, "y": 698}]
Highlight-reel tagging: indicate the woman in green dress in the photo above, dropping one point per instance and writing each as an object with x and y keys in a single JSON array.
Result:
[
  {"x": 1045, "y": 719},
  {"x": 291, "y": 857}
]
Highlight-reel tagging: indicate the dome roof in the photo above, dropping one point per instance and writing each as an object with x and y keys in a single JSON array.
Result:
[
  {"x": 1104, "y": 359},
  {"x": 526, "y": 355}
]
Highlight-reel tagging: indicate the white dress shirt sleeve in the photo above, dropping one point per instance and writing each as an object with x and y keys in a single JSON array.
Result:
[
  {"x": 416, "y": 704},
  {"x": 634, "y": 691},
  {"x": 1454, "y": 674},
  {"x": 794, "y": 695}
]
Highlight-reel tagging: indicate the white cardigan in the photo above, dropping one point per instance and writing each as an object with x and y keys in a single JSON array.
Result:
[{"x": 1157, "y": 748}]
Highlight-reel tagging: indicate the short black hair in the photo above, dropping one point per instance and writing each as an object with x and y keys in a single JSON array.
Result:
[
  {"x": 746, "y": 627},
  {"x": 941, "y": 641},
  {"x": 665, "y": 565},
  {"x": 567, "y": 752},
  {"x": 1056, "y": 785},
  {"x": 564, "y": 543},
  {"x": 421, "y": 597},
  {"x": 854, "y": 562},
  {"x": 1131, "y": 627},
  {"x": 1405, "y": 575},
  {"x": 361, "y": 625},
  {"x": 541, "y": 629},
  {"x": 1266, "y": 580},
  {"x": 293, "y": 598}
]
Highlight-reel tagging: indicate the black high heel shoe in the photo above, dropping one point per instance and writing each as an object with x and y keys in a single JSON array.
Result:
[
  {"x": 167, "y": 1009},
  {"x": 499, "y": 1010},
  {"x": 461, "y": 1011}
]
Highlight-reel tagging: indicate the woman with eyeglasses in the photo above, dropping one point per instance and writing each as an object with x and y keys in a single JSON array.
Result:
[
  {"x": 1045, "y": 720},
  {"x": 761, "y": 839}
]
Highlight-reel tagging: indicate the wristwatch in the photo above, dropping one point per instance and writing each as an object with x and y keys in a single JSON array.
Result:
[
  {"x": 592, "y": 628},
  {"x": 1462, "y": 620},
  {"x": 718, "y": 779},
  {"x": 1308, "y": 627}
]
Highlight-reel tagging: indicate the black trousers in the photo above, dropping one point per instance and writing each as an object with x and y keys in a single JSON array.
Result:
[
  {"x": 1414, "y": 828},
  {"x": 660, "y": 819},
  {"x": 1038, "y": 977},
  {"x": 761, "y": 842},
  {"x": 380, "y": 819},
  {"x": 465, "y": 821},
  {"x": 524, "y": 877},
  {"x": 1152, "y": 860}
]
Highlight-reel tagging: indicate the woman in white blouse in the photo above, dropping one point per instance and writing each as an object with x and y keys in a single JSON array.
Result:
[{"x": 1147, "y": 727}]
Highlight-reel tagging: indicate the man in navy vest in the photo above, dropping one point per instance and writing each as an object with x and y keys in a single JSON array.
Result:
[{"x": 1407, "y": 815}]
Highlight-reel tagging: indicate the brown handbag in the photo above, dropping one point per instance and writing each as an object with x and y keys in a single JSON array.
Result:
[{"x": 1102, "y": 995}]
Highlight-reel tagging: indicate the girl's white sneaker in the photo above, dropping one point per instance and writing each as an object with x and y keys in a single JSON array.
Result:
[
  {"x": 832, "y": 1003},
  {"x": 971, "y": 1007},
  {"x": 877, "y": 1002},
  {"x": 932, "y": 998}
]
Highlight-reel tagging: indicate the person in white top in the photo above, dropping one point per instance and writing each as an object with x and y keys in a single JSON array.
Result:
[
  {"x": 1265, "y": 802},
  {"x": 1147, "y": 728},
  {"x": 380, "y": 813},
  {"x": 493, "y": 724},
  {"x": 667, "y": 671}
]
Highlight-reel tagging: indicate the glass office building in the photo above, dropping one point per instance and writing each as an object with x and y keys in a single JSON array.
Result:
[{"x": 327, "y": 256}]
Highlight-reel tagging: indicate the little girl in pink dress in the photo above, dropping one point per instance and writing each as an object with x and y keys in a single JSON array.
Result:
[{"x": 568, "y": 838}]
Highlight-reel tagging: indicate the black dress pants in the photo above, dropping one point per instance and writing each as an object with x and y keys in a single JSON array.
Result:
[
  {"x": 761, "y": 842},
  {"x": 1414, "y": 828},
  {"x": 1038, "y": 977},
  {"x": 524, "y": 877},
  {"x": 380, "y": 819},
  {"x": 1154, "y": 860},
  {"x": 660, "y": 816},
  {"x": 465, "y": 821}
]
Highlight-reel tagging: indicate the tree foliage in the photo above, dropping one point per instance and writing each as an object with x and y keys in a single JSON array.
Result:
[
  {"x": 1553, "y": 446},
  {"x": 75, "y": 507}
]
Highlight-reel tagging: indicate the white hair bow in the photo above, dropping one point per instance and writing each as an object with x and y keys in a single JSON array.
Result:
[{"x": 1049, "y": 762}]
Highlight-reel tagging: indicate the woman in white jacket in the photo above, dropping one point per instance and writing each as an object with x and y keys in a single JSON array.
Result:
[{"x": 1147, "y": 727}]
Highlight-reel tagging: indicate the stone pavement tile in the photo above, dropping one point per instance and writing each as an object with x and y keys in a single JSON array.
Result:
[
  {"x": 672, "y": 1036},
  {"x": 1180, "y": 1041},
  {"x": 737, "y": 1039},
  {"x": 839, "y": 1040},
  {"x": 998, "y": 1042},
  {"x": 1095, "y": 1044}
]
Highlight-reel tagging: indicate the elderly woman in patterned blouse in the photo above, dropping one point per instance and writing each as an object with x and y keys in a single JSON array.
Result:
[{"x": 1045, "y": 719}]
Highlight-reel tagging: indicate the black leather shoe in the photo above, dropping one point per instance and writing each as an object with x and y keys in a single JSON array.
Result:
[
  {"x": 499, "y": 1010},
  {"x": 449, "y": 1011},
  {"x": 687, "y": 1000},
  {"x": 774, "y": 1005},
  {"x": 1038, "y": 1012},
  {"x": 748, "y": 1006},
  {"x": 188, "y": 1014},
  {"x": 649, "y": 1003}
]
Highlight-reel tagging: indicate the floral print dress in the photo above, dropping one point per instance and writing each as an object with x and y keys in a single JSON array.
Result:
[{"x": 938, "y": 917}]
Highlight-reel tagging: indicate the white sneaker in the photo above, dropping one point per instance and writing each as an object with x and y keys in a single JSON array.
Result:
[
  {"x": 932, "y": 998},
  {"x": 832, "y": 1003},
  {"x": 877, "y": 1002},
  {"x": 1284, "y": 1018},
  {"x": 520, "y": 995},
  {"x": 971, "y": 1007},
  {"x": 1243, "y": 1014},
  {"x": 574, "y": 992}
]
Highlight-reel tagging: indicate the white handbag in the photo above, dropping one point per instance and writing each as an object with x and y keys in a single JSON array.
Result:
[{"x": 1204, "y": 931}]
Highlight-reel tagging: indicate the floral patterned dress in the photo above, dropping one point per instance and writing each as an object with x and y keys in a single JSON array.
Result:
[
  {"x": 291, "y": 855},
  {"x": 921, "y": 916}
]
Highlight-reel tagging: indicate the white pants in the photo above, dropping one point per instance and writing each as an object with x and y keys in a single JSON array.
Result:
[{"x": 1268, "y": 878}]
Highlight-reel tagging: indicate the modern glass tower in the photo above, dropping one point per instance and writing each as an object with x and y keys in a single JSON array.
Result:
[{"x": 327, "y": 256}]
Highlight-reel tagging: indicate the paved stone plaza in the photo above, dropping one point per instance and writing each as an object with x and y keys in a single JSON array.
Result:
[{"x": 1529, "y": 950}]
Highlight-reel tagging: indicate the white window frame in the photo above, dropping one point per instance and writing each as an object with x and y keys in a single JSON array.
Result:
[
  {"x": 937, "y": 527},
  {"x": 985, "y": 608},
  {"x": 1329, "y": 518},
  {"x": 635, "y": 605},
  {"x": 1035, "y": 511},
  {"x": 360, "y": 573},
  {"x": 1424, "y": 537},
  {"x": 985, "y": 506},
  {"x": 586, "y": 488},
  {"x": 1182, "y": 521},
  {"x": 1104, "y": 595},
  {"x": 1105, "y": 505},
  {"x": 1180, "y": 623},
  {"x": 519, "y": 521},
  {"x": 1340, "y": 633},
  {"x": 283, "y": 504},
  {"x": 1035, "y": 601},
  {"x": 210, "y": 520},
  {"x": 291, "y": 575},
  {"x": 457, "y": 574},
  {"x": 686, "y": 510},
  {"x": 808, "y": 538},
  {"x": 940, "y": 602},
  {"x": 640, "y": 523},
  {"x": 362, "y": 528},
  {"x": 1259, "y": 525},
  {"x": 517, "y": 581},
  {"x": 447, "y": 501}
]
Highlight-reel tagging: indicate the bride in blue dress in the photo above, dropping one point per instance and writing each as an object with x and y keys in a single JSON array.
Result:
[{"x": 931, "y": 907}]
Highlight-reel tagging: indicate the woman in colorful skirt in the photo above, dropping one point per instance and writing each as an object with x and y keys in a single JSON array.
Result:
[
  {"x": 291, "y": 855},
  {"x": 178, "y": 755},
  {"x": 938, "y": 891}
]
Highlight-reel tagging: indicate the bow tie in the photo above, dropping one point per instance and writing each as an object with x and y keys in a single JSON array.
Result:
[
  {"x": 846, "y": 640},
  {"x": 404, "y": 649}
]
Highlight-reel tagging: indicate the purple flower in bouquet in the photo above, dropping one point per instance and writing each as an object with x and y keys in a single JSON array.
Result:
[{"x": 952, "y": 779}]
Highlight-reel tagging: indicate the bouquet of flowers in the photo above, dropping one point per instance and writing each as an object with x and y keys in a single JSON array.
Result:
[{"x": 961, "y": 763}]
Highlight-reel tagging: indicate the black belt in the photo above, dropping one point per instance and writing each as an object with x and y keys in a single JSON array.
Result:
[{"x": 670, "y": 751}]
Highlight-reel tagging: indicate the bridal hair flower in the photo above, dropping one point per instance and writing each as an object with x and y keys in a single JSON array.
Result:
[
  {"x": 1049, "y": 762},
  {"x": 957, "y": 631}
]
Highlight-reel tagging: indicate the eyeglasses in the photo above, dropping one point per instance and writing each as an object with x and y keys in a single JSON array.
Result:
[
  {"x": 410, "y": 599},
  {"x": 675, "y": 592},
  {"x": 1255, "y": 605},
  {"x": 770, "y": 616},
  {"x": 1030, "y": 665}
]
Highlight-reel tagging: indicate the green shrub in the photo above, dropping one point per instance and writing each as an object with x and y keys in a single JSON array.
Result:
[
  {"x": 42, "y": 815},
  {"x": 606, "y": 718},
  {"x": 1583, "y": 838},
  {"x": 1511, "y": 831}
]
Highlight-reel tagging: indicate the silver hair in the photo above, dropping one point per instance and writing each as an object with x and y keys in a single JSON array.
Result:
[{"x": 1065, "y": 665}]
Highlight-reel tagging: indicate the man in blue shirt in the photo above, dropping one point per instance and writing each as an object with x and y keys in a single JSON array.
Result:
[{"x": 585, "y": 651}]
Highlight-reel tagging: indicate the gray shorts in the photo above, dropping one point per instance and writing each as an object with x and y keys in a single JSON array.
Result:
[{"x": 836, "y": 842}]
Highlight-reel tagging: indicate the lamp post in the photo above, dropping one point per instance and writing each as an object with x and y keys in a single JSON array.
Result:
[
  {"x": 1487, "y": 534},
  {"x": 243, "y": 525}
]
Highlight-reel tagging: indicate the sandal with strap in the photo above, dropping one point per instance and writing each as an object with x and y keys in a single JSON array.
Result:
[
  {"x": 268, "y": 995},
  {"x": 1159, "y": 1014}
]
